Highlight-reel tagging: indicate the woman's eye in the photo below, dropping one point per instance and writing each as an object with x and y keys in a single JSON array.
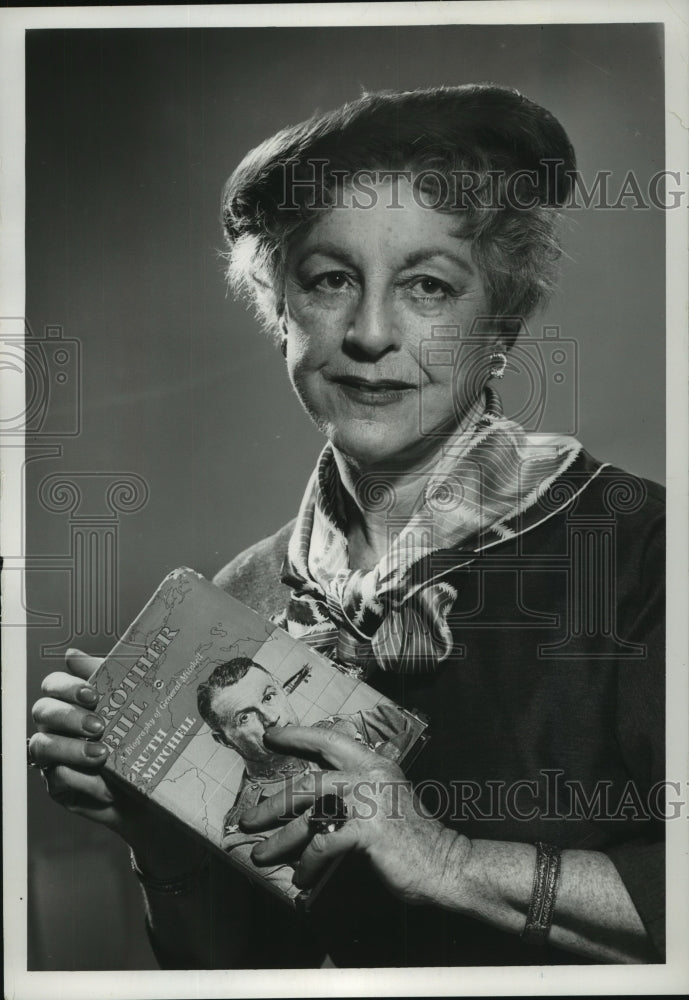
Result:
[
  {"x": 429, "y": 288},
  {"x": 332, "y": 281}
]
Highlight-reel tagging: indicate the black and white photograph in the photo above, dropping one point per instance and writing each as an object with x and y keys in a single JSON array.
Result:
[{"x": 375, "y": 316}]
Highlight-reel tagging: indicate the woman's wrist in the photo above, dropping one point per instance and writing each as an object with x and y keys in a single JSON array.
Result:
[
  {"x": 450, "y": 861},
  {"x": 497, "y": 882},
  {"x": 485, "y": 880}
]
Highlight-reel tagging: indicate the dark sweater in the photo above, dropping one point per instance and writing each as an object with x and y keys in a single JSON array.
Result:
[{"x": 546, "y": 722}]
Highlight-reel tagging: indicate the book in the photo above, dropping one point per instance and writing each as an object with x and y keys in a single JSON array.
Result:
[{"x": 187, "y": 694}]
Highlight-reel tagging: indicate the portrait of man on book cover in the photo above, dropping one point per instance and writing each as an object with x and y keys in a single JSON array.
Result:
[{"x": 239, "y": 701}]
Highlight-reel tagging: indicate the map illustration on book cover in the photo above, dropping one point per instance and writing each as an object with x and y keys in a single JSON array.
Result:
[{"x": 187, "y": 694}]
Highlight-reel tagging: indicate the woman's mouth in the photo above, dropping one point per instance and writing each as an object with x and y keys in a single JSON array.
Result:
[{"x": 373, "y": 392}]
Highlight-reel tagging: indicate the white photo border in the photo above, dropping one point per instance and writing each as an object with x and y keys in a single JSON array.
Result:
[{"x": 673, "y": 977}]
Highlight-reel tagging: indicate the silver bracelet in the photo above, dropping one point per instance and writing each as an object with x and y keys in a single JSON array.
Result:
[
  {"x": 177, "y": 886},
  {"x": 543, "y": 893}
]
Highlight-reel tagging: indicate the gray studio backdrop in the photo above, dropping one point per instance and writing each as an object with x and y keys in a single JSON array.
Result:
[{"x": 185, "y": 444}]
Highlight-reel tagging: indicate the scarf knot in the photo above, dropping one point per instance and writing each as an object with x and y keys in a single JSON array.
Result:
[{"x": 395, "y": 616}]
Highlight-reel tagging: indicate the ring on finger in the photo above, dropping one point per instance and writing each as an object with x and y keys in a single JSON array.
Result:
[{"x": 327, "y": 814}]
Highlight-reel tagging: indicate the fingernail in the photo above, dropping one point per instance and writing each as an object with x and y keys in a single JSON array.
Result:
[
  {"x": 87, "y": 696},
  {"x": 92, "y": 724},
  {"x": 95, "y": 749}
]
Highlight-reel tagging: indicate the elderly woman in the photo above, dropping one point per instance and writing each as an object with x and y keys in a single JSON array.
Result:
[{"x": 506, "y": 585}]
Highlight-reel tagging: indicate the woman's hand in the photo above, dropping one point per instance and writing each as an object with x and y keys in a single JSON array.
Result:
[
  {"x": 66, "y": 747},
  {"x": 409, "y": 850},
  {"x": 422, "y": 861}
]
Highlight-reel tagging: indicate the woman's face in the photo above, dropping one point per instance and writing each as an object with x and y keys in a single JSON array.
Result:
[{"x": 364, "y": 290}]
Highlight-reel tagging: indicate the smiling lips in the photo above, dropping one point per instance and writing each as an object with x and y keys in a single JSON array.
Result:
[{"x": 372, "y": 391}]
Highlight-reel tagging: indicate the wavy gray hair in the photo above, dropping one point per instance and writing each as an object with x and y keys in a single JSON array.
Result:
[{"x": 516, "y": 157}]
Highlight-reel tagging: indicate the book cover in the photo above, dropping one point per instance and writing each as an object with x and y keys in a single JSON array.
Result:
[{"x": 187, "y": 694}]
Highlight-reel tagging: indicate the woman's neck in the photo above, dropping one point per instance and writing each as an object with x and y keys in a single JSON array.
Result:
[
  {"x": 378, "y": 498},
  {"x": 377, "y": 501},
  {"x": 373, "y": 501}
]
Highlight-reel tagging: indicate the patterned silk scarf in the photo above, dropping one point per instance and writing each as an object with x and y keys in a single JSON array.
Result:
[{"x": 394, "y": 616}]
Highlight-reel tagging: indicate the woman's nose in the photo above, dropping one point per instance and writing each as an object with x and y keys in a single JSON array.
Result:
[{"x": 372, "y": 328}]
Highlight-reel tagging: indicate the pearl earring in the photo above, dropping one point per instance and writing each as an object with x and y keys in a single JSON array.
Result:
[{"x": 498, "y": 364}]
